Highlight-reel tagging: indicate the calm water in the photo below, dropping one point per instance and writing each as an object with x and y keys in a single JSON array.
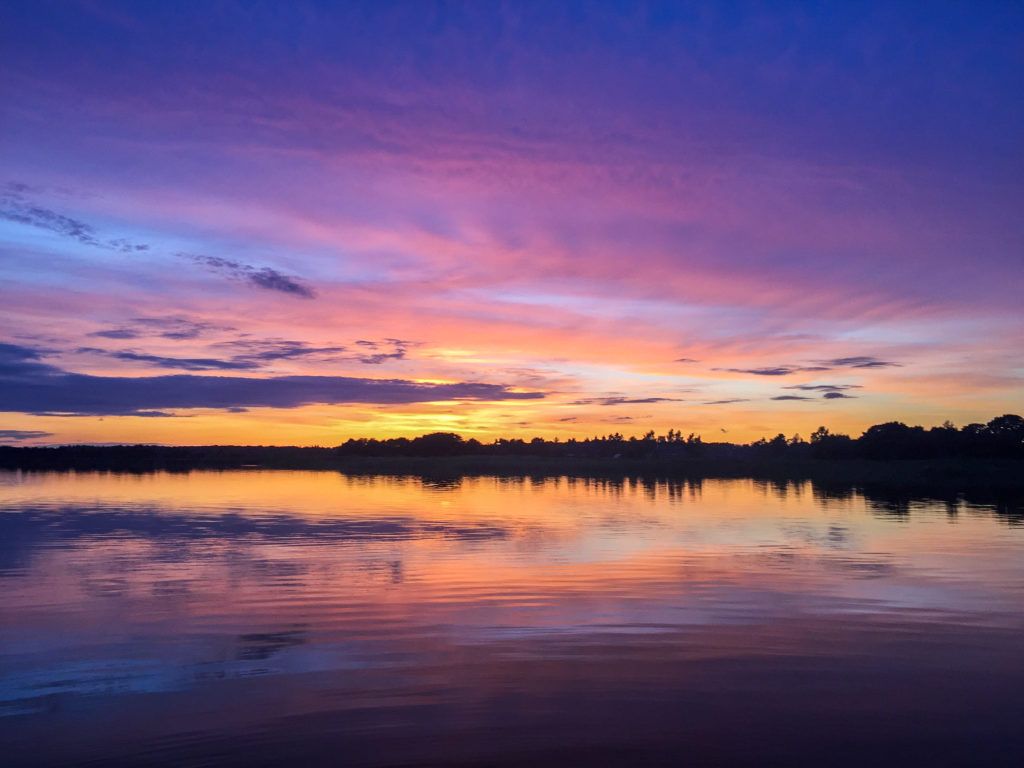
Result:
[{"x": 312, "y": 618}]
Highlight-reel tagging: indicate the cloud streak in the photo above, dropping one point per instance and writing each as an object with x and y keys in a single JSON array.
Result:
[
  {"x": 824, "y": 387},
  {"x": 861, "y": 361},
  {"x": 261, "y": 352},
  {"x": 178, "y": 363},
  {"x": 16, "y": 207},
  {"x": 173, "y": 327},
  {"x": 260, "y": 277},
  {"x": 29, "y": 386},
  {"x": 779, "y": 370},
  {"x": 250, "y": 354},
  {"x": 15, "y": 435},
  {"x": 613, "y": 401}
]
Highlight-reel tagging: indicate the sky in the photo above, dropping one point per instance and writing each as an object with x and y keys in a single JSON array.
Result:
[{"x": 295, "y": 223}]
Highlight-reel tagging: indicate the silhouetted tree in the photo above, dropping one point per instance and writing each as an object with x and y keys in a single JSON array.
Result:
[{"x": 1002, "y": 437}]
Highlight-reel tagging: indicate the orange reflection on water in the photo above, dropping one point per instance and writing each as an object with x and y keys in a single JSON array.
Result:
[
  {"x": 569, "y": 610},
  {"x": 535, "y": 550}
]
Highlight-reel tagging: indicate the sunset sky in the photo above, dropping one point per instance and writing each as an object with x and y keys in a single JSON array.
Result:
[{"x": 299, "y": 223}]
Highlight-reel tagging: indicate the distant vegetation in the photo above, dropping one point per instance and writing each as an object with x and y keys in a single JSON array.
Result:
[
  {"x": 999, "y": 442},
  {"x": 1003, "y": 437}
]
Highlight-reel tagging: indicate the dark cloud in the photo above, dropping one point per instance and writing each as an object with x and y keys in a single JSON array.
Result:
[
  {"x": 820, "y": 365},
  {"x": 7, "y": 435},
  {"x": 685, "y": 360},
  {"x": 859, "y": 362},
  {"x": 260, "y": 277},
  {"x": 388, "y": 341},
  {"x": 15, "y": 206},
  {"x": 178, "y": 363},
  {"x": 126, "y": 246},
  {"x": 381, "y": 351},
  {"x": 19, "y": 361},
  {"x": 380, "y": 357},
  {"x": 44, "y": 218},
  {"x": 823, "y": 387},
  {"x": 727, "y": 402},
  {"x": 779, "y": 370},
  {"x": 830, "y": 394},
  {"x": 273, "y": 280},
  {"x": 30, "y": 386},
  {"x": 625, "y": 400},
  {"x": 244, "y": 354},
  {"x": 116, "y": 333},
  {"x": 262, "y": 352},
  {"x": 569, "y": 418},
  {"x": 174, "y": 327}
]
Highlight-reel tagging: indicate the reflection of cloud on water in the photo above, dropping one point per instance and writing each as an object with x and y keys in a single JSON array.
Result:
[
  {"x": 24, "y": 531},
  {"x": 30, "y": 687}
]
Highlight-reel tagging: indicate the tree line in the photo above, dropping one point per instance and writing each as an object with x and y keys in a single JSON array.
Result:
[{"x": 1000, "y": 438}]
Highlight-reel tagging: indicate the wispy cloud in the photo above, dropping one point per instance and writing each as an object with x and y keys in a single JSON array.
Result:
[
  {"x": 178, "y": 363},
  {"x": 248, "y": 354},
  {"x": 16, "y": 206},
  {"x": 44, "y": 218},
  {"x": 378, "y": 352},
  {"x": 831, "y": 395},
  {"x": 610, "y": 401},
  {"x": 266, "y": 351},
  {"x": 862, "y": 361},
  {"x": 174, "y": 327},
  {"x": 823, "y": 387},
  {"x": 778, "y": 370},
  {"x": 13, "y": 435},
  {"x": 116, "y": 333},
  {"x": 859, "y": 362},
  {"x": 260, "y": 277}
]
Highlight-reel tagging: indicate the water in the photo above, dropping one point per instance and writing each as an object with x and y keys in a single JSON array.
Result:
[{"x": 297, "y": 618}]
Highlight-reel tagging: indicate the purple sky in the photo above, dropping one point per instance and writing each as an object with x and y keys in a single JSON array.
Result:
[{"x": 533, "y": 218}]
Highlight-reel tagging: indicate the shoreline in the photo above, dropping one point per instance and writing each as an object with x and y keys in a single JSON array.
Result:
[{"x": 944, "y": 474}]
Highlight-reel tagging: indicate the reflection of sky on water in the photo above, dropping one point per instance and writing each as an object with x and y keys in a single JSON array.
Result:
[{"x": 186, "y": 585}]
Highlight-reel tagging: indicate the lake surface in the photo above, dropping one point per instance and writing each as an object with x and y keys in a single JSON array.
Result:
[{"x": 297, "y": 618}]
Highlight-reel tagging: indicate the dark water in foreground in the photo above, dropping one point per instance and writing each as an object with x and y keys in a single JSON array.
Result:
[{"x": 295, "y": 618}]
